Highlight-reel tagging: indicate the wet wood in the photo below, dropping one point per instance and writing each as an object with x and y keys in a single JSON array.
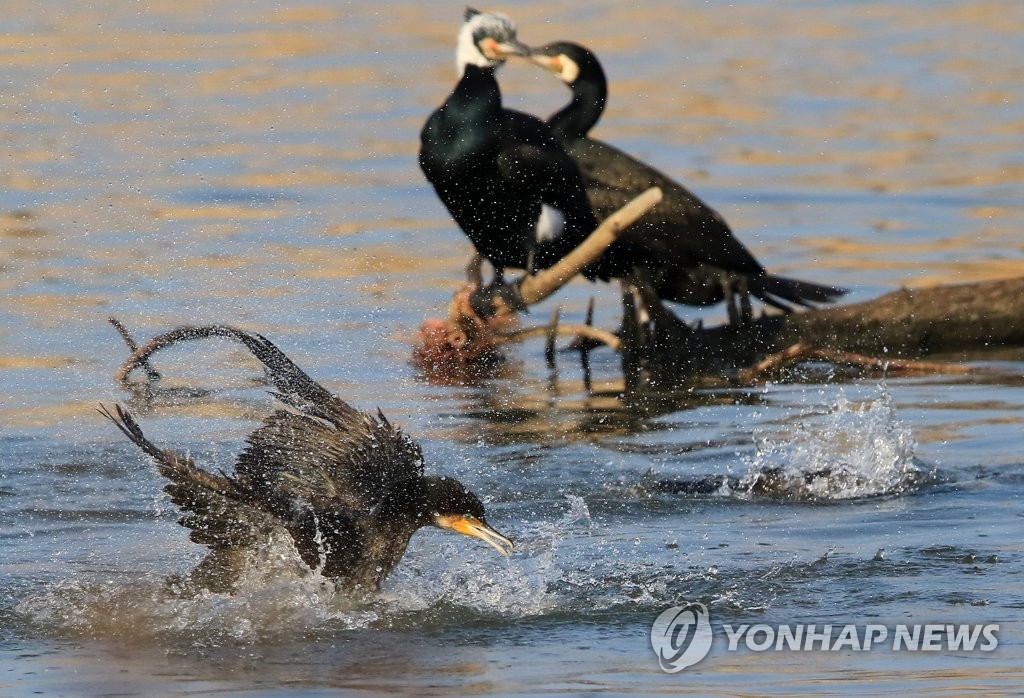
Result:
[
  {"x": 800, "y": 352},
  {"x": 475, "y": 328},
  {"x": 918, "y": 322},
  {"x": 888, "y": 333}
]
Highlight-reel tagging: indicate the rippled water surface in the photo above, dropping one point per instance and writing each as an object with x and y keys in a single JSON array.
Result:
[{"x": 254, "y": 164}]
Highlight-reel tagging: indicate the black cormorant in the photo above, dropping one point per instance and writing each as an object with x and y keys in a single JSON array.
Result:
[
  {"x": 701, "y": 261},
  {"x": 502, "y": 174},
  {"x": 347, "y": 486}
]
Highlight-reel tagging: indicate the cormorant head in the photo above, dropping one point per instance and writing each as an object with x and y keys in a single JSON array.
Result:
[
  {"x": 450, "y": 505},
  {"x": 568, "y": 61},
  {"x": 486, "y": 40}
]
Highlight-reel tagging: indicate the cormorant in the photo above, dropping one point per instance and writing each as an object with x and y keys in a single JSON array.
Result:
[
  {"x": 700, "y": 260},
  {"x": 347, "y": 486},
  {"x": 502, "y": 174}
]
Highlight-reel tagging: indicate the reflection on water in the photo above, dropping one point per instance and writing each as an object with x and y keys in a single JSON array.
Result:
[{"x": 255, "y": 165}]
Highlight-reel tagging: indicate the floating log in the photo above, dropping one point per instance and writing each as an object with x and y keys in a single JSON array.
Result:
[{"x": 889, "y": 333}]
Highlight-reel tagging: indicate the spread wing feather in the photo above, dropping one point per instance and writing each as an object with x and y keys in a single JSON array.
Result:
[
  {"x": 324, "y": 452},
  {"x": 299, "y": 457},
  {"x": 213, "y": 505}
]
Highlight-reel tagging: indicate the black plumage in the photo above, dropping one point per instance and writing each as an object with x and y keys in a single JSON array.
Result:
[
  {"x": 347, "y": 486},
  {"x": 699, "y": 259},
  {"x": 502, "y": 174}
]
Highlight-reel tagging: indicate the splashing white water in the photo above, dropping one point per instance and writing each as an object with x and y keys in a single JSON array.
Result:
[
  {"x": 855, "y": 450},
  {"x": 278, "y": 597},
  {"x": 471, "y": 578}
]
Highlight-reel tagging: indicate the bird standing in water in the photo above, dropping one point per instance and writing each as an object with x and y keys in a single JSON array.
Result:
[
  {"x": 348, "y": 487},
  {"x": 700, "y": 261}
]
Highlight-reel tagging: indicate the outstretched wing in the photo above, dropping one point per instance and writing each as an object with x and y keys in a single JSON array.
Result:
[
  {"x": 214, "y": 508},
  {"x": 325, "y": 452},
  {"x": 294, "y": 387},
  {"x": 301, "y": 457}
]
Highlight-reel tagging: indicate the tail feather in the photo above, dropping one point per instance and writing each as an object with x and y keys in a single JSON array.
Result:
[
  {"x": 213, "y": 509},
  {"x": 775, "y": 289}
]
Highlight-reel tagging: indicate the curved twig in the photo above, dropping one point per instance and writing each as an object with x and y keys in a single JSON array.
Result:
[
  {"x": 151, "y": 373},
  {"x": 587, "y": 331},
  {"x": 534, "y": 289}
]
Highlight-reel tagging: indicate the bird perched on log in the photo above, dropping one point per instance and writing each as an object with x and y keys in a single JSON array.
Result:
[
  {"x": 502, "y": 174},
  {"x": 700, "y": 261},
  {"x": 347, "y": 486}
]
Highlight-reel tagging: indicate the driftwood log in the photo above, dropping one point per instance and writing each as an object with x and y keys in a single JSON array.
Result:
[
  {"x": 662, "y": 353},
  {"x": 888, "y": 333}
]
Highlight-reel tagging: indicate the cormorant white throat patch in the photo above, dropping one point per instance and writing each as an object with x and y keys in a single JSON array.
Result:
[{"x": 570, "y": 70}]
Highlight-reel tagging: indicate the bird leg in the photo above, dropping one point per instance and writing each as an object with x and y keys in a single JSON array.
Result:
[
  {"x": 484, "y": 300},
  {"x": 475, "y": 270},
  {"x": 743, "y": 289},
  {"x": 728, "y": 292}
]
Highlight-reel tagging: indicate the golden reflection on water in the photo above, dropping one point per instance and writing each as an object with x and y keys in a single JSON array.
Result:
[{"x": 182, "y": 160}]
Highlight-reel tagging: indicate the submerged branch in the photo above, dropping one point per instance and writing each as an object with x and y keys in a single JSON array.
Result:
[
  {"x": 608, "y": 339},
  {"x": 800, "y": 352}
]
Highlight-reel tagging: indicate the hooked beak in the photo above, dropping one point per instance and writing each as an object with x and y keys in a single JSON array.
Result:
[
  {"x": 551, "y": 63},
  {"x": 500, "y": 50},
  {"x": 472, "y": 526}
]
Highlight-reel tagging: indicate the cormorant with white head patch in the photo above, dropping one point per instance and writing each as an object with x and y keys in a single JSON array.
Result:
[{"x": 502, "y": 174}]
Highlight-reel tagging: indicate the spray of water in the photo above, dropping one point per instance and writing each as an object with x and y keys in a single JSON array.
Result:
[
  {"x": 278, "y": 597},
  {"x": 854, "y": 450}
]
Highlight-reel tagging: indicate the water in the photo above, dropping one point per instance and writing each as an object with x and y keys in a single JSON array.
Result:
[{"x": 173, "y": 164}]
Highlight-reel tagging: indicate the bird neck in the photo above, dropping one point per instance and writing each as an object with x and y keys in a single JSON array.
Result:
[
  {"x": 403, "y": 506},
  {"x": 589, "y": 96},
  {"x": 465, "y": 130},
  {"x": 477, "y": 87}
]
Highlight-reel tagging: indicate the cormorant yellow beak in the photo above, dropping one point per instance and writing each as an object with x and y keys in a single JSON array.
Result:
[
  {"x": 552, "y": 63},
  {"x": 565, "y": 68},
  {"x": 471, "y": 526},
  {"x": 495, "y": 50}
]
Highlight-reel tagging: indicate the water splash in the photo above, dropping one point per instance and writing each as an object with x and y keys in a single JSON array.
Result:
[
  {"x": 277, "y": 597},
  {"x": 520, "y": 588},
  {"x": 854, "y": 450}
]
